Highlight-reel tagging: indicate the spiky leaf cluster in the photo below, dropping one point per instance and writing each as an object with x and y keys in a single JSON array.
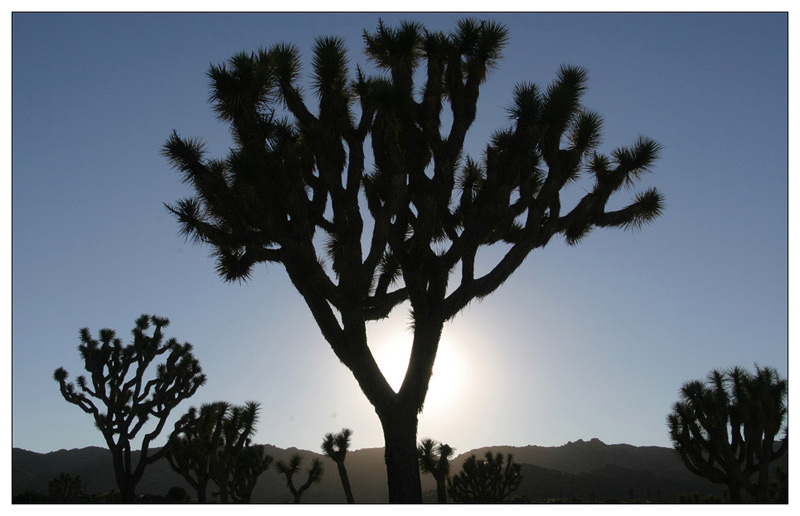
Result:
[{"x": 335, "y": 446}]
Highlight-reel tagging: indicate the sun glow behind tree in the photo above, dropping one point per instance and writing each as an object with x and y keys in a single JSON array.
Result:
[{"x": 451, "y": 371}]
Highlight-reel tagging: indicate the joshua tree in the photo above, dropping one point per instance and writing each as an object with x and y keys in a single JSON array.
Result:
[
  {"x": 237, "y": 425},
  {"x": 335, "y": 447},
  {"x": 433, "y": 459},
  {"x": 293, "y": 466},
  {"x": 725, "y": 429},
  {"x": 429, "y": 206},
  {"x": 211, "y": 446},
  {"x": 193, "y": 449},
  {"x": 486, "y": 481},
  {"x": 66, "y": 489},
  {"x": 250, "y": 464},
  {"x": 117, "y": 382}
]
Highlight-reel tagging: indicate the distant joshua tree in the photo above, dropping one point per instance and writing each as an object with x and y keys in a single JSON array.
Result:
[
  {"x": 66, "y": 489},
  {"x": 335, "y": 447},
  {"x": 250, "y": 464},
  {"x": 725, "y": 429},
  {"x": 215, "y": 446},
  {"x": 289, "y": 470},
  {"x": 192, "y": 451},
  {"x": 433, "y": 459},
  {"x": 486, "y": 481},
  {"x": 117, "y": 381},
  {"x": 238, "y": 424}
]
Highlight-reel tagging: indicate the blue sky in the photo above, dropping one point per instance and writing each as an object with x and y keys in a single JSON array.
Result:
[{"x": 582, "y": 342}]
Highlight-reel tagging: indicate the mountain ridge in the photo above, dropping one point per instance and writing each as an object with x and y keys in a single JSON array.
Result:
[{"x": 580, "y": 470}]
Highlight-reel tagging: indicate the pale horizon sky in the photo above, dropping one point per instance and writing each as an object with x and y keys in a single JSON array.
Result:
[{"x": 592, "y": 341}]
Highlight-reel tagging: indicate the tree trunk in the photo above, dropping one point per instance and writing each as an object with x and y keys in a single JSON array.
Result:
[
  {"x": 125, "y": 481},
  {"x": 202, "y": 487},
  {"x": 402, "y": 466},
  {"x": 735, "y": 493},
  {"x": 348, "y": 493},
  {"x": 441, "y": 490},
  {"x": 762, "y": 487},
  {"x": 127, "y": 492}
]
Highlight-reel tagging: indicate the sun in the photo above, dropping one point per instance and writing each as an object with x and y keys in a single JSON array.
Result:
[
  {"x": 450, "y": 375},
  {"x": 449, "y": 370}
]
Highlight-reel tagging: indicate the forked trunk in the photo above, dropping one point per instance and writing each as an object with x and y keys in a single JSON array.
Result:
[
  {"x": 126, "y": 482},
  {"x": 127, "y": 489},
  {"x": 402, "y": 467}
]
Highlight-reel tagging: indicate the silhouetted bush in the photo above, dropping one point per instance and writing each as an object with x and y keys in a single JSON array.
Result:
[{"x": 30, "y": 496}]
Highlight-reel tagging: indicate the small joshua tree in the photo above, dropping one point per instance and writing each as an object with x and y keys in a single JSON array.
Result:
[
  {"x": 433, "y": 459},
  {"x": 66, "y": 489},
  {"x": 488, "y": 481},
  {"x": 124, "y": 400},
  {"x": 293, "y": 466},
  {"x": 335, "y": 447}
]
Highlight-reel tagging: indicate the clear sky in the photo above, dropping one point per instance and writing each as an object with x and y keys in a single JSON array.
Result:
[{"x": 582, "y": 342}]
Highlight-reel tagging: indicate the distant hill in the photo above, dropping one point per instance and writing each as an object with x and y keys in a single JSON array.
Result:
[{"x": 585, "y": 470}]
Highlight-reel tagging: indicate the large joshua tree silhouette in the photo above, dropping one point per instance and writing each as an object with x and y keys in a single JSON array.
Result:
[
  {"x": 290, "y": 191},
  {"x": 727, "y": 429},
  {"x": 335, "y": 447},
  {"x": 125, "y": 399},
  {"x": 289, "y": 469},
  {"x": 434, "y": 458}
]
